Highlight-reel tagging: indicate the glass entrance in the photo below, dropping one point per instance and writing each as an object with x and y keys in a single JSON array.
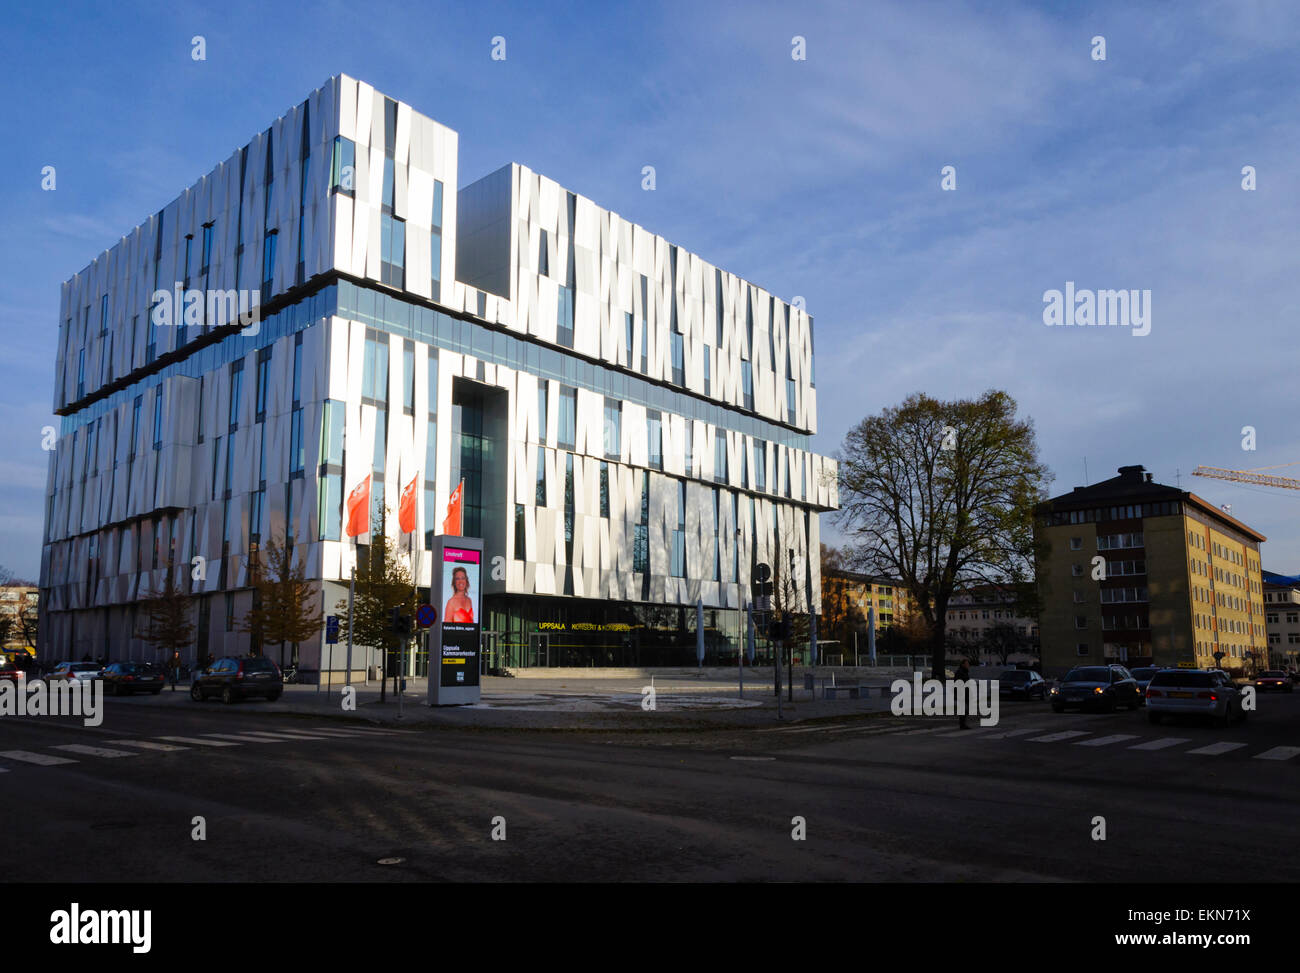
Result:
[{"x": 539, "y": 649}]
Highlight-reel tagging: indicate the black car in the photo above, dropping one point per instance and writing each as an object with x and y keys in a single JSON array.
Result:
[
  {"x": 1144, "y": 676},
  {"x": 125, "y": 678},
  {"x": 1022, "y": 684},
  {"x": 1097, "y": 687},
  {"x": 234, "y": 678},
  {"x": 1274, "y": 679}
]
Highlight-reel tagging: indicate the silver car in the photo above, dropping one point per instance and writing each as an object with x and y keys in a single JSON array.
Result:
[
  {"x": 76, "y": 671},
  {"x": 1194, "y": 692}
]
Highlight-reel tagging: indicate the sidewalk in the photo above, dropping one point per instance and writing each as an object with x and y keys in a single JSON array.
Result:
[{"x": 615, "y": 699}]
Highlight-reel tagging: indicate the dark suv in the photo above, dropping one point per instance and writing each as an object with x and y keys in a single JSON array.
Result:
[
  {"x": 1096, "y": 687},
  {"x": 233, "y": 678}
]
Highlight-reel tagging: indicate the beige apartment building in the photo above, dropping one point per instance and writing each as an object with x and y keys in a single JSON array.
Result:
[{"x": 1141, "y": 573}]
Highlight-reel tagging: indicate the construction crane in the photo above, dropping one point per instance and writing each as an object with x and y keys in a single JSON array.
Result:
[{"x": 1251, "y": 476}]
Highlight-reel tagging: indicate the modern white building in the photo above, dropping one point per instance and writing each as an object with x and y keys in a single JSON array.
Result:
[{"x": 631, "y": 423}]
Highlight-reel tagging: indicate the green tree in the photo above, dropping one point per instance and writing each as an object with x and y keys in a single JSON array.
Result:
[
  {"x": 286, "y": 608},
  {"x": 167, "y": 626},
  {"x": 384, "y": 582},
  {"x": 940, "y": 495}
]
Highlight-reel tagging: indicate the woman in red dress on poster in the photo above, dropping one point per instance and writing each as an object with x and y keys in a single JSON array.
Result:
[{"x": 459, "y": 606}]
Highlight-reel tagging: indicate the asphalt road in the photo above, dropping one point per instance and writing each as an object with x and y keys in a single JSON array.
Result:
[{"x": 314, "y": 799}]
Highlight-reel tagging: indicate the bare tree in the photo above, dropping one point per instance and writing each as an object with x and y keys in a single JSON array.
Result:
[
  {"x": 940, "y": 495},
  {"x": 167, "y": 626}
]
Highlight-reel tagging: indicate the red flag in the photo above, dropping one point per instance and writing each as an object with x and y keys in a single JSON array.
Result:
[
  {"x": 452, "y": 524},
  {"x": 406, "y": 508},
  {"x": 359, "y": 508}
]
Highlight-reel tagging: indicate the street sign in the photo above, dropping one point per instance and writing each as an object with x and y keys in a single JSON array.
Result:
[
  {"x": 426, "y": 615},
  {"x": 331, "y": 630},
  {"x": 762, "y": 572}
]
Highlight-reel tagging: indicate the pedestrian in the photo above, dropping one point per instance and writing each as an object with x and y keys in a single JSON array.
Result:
[
  {"x": 962, "y": 674},
  {"x": 174, "y": 667}
]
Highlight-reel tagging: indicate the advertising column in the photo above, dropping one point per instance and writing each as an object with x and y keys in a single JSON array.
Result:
[{"x": 454, "y": 652}]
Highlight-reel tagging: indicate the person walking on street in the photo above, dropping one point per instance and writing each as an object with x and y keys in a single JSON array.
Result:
[
  {"x": 174, "y": 667},
  {"x": 962, "y": 674}
]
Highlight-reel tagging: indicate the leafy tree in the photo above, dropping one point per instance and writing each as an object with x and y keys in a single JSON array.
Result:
[
  {"x": 384, "y": 582},
  {"x": 940, "y": 495},
  {"x": 167, "y": 626},
  {"x": 285, "y": 608}
]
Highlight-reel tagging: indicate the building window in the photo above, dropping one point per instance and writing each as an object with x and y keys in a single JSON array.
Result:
[
  {"x": 543, "y": 257},
  {"x": 708, "y": 380},
  {"x": 374, "y": 369},
  {"x": 262, "y": 375},
  {"x": 297, "y": 454},
  {"x": 564, "y": 317},
  {"x": 679, "y": 535},
  {"x": 343, "y": 166},
  {"x": 521, "y": 534},
  {"x": 654, "y": 439},
  {"x": 540, "y": 497},
  {"x": 641, "y": 532},
  {"x": 330, "y": 506},
  {"x": 627, "y": 335},
  {"x": 679, "y": 358},
  {"x": 408, "y": 375},
  {"x": 435, "y": 243},
  {"x": 392, "y": 244},
  {"x": 206, "y": 261},
  {"x": 1080, "y": 621},
  {"x": 1076, "y": 543},
  {"x": 613, "y": 428},
  {"x": 747, "y": 384},
  {"x": 236, "y": 391},
  {"x": 760, "y": 465},
  {"x": 604, "y": 490},
  {"x": 157, "y": 418},
  {"x": 568, "y": 432},
  {"x": 543, "y": 387},
  {"x": 268, "y": 262},
  {"x": 719, "y": 456}
]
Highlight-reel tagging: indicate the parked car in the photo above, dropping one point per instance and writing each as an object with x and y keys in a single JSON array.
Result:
[
  {"x": 125, "y": 678},
  {"x": 1194, "y": 692},
  {"x": 1096, "y": 687},
  {"x": 1022, "y": 684},
  {"x": 11, "y": 673},
  {"x": 233, "y": 678},
  {"x": 76, "y": 672},
  {"x": 1143, "y": 677},
  {"x": 1274, "y": 679}
]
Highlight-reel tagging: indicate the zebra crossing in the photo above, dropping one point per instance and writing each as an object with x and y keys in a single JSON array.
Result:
[
  {"x": 73, "y": 753},
  {"x": 1042, "y": 734}
]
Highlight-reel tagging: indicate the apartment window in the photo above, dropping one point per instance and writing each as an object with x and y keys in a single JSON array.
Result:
[
  {"x": 1080, "y": 621},
  {"x": 613, "y": 428},
  {"x": 1081, "y": 648},
  {"x": 654, "y": 439},
  {"x": 1076, "y": 543},
  {"x": 1076, "y": 570}
]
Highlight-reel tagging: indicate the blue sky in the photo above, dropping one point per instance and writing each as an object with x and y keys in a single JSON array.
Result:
[{"x": 818, "y": 178}]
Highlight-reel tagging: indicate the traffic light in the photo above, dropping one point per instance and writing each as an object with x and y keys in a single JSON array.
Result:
[{"x": 398, "y": 623}]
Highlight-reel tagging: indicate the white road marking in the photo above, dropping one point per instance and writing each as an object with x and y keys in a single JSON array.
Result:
[
  {"x": 269, "y": 736},
  {"x": 41, "y": 759},
  {"x": 825, "y": 729},
  {"x": 1160, "y": 744},
  {"x": 1214, "y": 749},
  {"x": 1004, "y": 734},
  {"x": 931, "y": 729},
  {"x": 201, "y": 743},
  {"x": 148, "y": 745},
  {"x": 1063, "y": 735},
  {"x": 244, "y": 738},
  {"x": 1278, "y": 753},
  {"x": 94, "y": 751},
  {"x": 1107, "y": 741}
]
